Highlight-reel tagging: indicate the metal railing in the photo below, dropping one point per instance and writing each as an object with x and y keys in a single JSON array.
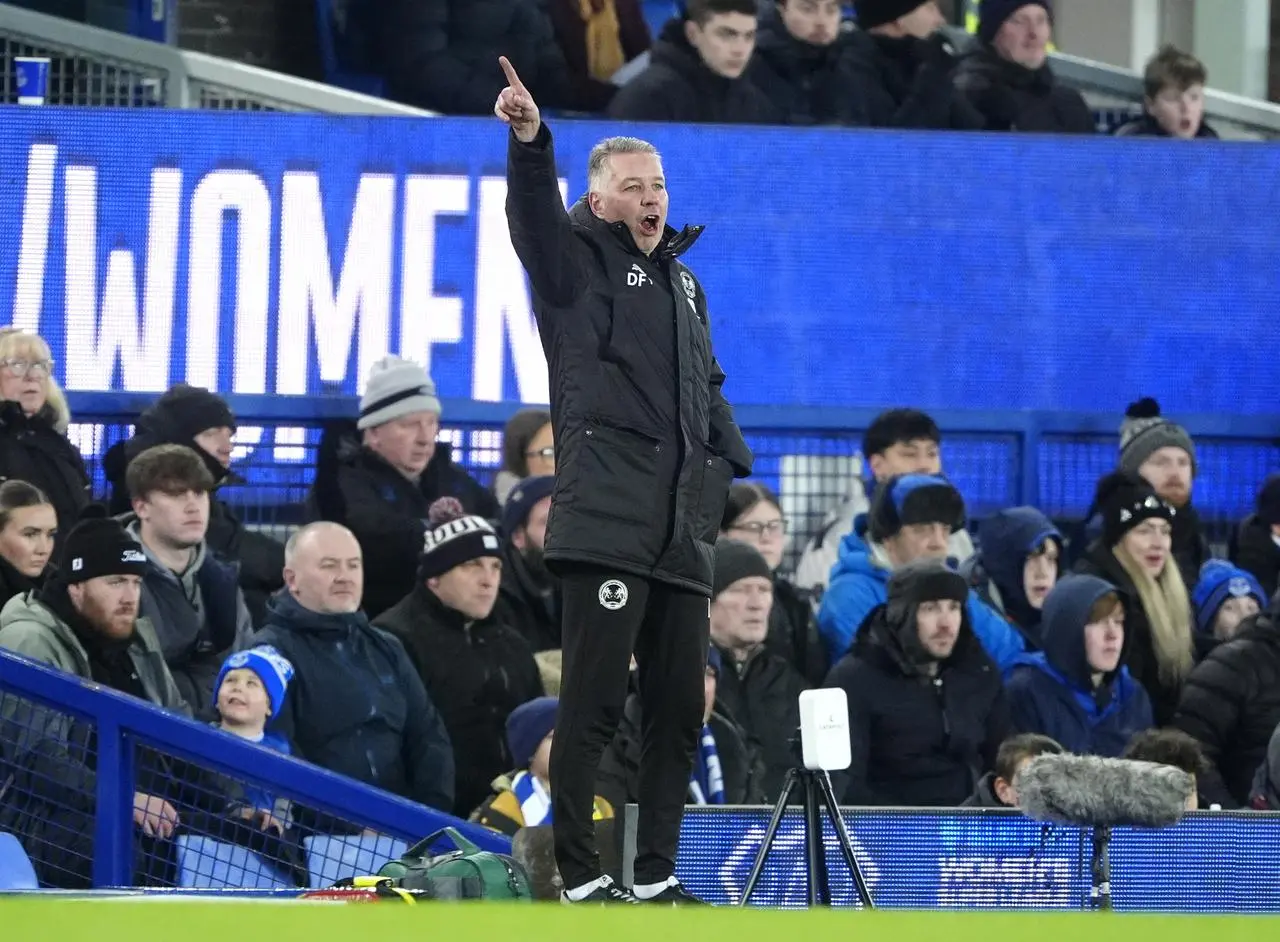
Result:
[
  {"x": 74, "y": 754},
  {"x": 92, "y": 66}
]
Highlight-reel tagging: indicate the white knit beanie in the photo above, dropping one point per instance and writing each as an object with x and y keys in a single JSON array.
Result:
[{"x": 396, "y": 387}]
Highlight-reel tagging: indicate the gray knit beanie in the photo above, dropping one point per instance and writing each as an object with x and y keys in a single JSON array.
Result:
[{"x": 1145, "y": 431}]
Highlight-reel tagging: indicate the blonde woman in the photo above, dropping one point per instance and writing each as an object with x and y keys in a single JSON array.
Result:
[
  {"x": 33, "y": 427},
  {"x": 1135, "y": 554}
]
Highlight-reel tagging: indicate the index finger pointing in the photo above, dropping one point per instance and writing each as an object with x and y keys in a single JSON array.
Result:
[{"x": 509, "y": 70}]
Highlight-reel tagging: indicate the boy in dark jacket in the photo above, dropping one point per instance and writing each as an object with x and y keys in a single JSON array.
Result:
[
  {"x": 1077, "y": 690},
  {"x": 1018, "y": 562},
  {"x": 696, "y": 70},
  {"x": 996, "y": 790},
  {"x": 1173, "y": 105},
  {"x": 926, "y": 709}
]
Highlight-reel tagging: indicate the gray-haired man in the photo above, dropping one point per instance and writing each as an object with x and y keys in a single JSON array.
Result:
[{"x": 646, "y": 447}]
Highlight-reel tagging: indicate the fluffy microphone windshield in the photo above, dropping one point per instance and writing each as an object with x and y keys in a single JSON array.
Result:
[{"x": 1093, "y": 792}]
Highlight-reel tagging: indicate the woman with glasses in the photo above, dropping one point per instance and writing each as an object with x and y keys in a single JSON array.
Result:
[
  {"x": 33, "y": 427},
  {"x": 28, "y": 528},
  {"x": 528, "y": 450},
  {"x": 753, "y": 515}
]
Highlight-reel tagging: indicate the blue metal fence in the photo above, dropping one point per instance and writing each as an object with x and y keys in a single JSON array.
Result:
[
  {"x": 1051, "y": 460},
  {"x": 73, "y": 755}
]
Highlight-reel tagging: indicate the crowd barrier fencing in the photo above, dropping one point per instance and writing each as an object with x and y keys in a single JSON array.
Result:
[
  {"x": 1051, "y": 460},
  {"x": 74, "y": 756}
]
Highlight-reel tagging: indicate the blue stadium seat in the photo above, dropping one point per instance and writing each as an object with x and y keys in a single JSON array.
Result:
[
  {"x": 16, "y": 872},
  {"x": 657, "y": 12},
  {"x": 206, "y": 864},
  {"x": 333, "y": 24},
  {"x": 331, "y": 858}
]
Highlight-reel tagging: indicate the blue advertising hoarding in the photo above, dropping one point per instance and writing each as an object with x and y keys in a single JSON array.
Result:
[
  {"x": 281, "y": 254},
  {"x": 915, "y": 859}
]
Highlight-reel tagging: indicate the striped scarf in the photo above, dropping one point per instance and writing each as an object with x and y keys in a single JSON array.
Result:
[
  {"x": 535, "y": 801},
  {"x": 706, "y": 785}
]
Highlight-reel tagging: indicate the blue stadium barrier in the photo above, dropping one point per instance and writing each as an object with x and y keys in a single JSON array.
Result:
[
  {"x": 1051, "y": 460},
  {"x": 1220, "y": 862},
  {"x": 131, "y": 746}
]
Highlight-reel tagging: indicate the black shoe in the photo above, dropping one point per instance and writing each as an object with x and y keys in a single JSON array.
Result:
[
  {"x": 674, "y": 895},
  {"x": 606, "y": 895}
]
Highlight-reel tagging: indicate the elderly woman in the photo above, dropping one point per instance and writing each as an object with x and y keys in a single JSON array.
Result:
[{"x": 33, "y": 427}]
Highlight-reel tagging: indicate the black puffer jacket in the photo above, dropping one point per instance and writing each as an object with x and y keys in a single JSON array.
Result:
[
  {"x": 525, "y": 605},
  {"x": 763, "y": 695},
  {"x": 917, "y": 740},
  {"x": 475, "y": 673},
  {"x": 385, "y": 510},
  {"x": 32, "y": 450},
  {"x": 1012, "y": 97},
  {"x": 618, "y": 781},
  {"x": 443, "y": 55},
  {"x": 807, "y": 84},
  {"x": 906, "y": 83},
  {"x": 356, "y": 706},
  {"x": 646, "y": 445},
  {"x": 677, "y": 86},
  {"x": 1253, "y": 550},
  {"x": 793, "y": 631},
  {"x": 1231, "y": 704}
]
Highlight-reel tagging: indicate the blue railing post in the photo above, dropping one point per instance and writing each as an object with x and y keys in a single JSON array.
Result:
[
  {"x": 1029, "y": 486},
  {"x": 154, "y": 20},
  {"x": 113, "y": 824}
]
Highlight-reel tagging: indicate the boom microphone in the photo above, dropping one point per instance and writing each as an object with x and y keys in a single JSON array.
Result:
[{"x": 1093, "y": 792}]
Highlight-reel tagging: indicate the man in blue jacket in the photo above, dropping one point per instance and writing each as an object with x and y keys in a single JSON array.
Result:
[
  {"x": 912, "y": 517},
  {"x": 1077, "y": 689}
]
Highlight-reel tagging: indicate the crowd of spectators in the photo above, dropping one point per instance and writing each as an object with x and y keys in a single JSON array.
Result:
[
  {"x": 893, "y": 64},
  {"x": 409, "y": 638}
]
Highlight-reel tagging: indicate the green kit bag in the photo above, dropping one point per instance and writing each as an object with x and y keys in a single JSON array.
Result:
[{"x": 465, "y": 873}]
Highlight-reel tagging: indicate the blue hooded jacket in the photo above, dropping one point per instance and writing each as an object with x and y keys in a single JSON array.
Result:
[
  {"x": 859, "y": 583},
  {"x": 1051, "y": 691},
  {"x": 1006, "y": 539}
]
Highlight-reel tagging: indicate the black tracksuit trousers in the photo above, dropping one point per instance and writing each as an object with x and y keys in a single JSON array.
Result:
[{"x": 606, "y": 616}]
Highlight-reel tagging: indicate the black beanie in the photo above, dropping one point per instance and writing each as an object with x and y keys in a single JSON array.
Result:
[
  {"x": 184, "y": 411},
  {"x": 873, "y": 13},
  {"x": 453, "y": 537},
  {"x": 1269, "y": 501},
  {"x": 100, "y": 546},
  {"x": 993, "y": 13},
  {"x": 737, "y": 560},
  {"x": 1125, "y": 499}
]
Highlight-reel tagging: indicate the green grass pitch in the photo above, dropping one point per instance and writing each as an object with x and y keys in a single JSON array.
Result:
[{"x": 127, "y": 920}]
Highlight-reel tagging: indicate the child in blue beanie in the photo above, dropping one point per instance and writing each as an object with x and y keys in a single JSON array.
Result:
[
  {"x": 249, "y": 691},
  {"x": 523, "y": 798},
  {"x": 1223, "y": 598}
]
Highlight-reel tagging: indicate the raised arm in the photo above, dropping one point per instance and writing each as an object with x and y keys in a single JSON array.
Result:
[{"x": 540, "y": 230}]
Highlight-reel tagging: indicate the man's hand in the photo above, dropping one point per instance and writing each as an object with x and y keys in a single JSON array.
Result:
[
  {"x": 516, "y": 106},
  {"x": 155, "y": 816}
]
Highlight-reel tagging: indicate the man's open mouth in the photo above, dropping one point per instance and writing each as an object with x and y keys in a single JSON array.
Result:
[{"x": 649, "y": 225}]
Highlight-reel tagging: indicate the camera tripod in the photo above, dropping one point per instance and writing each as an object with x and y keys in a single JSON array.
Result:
[{"x": 818, "y": 795}]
